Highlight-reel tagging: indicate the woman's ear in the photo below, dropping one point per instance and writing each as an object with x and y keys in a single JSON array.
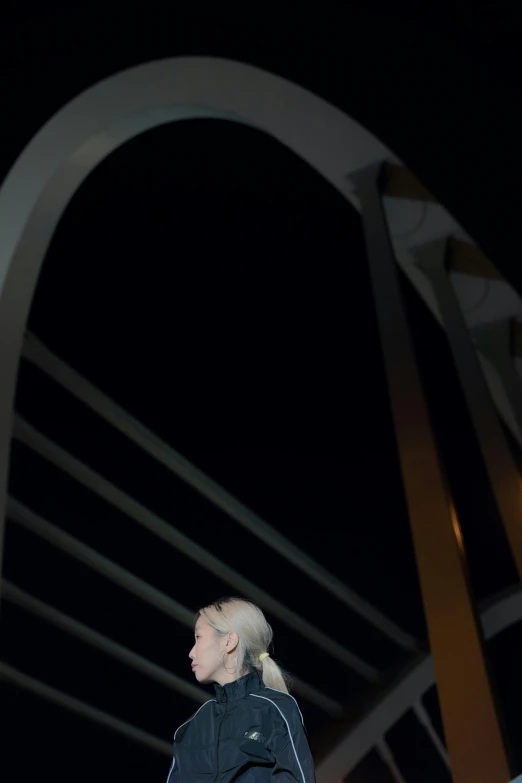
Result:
[{"x": 232, "y": 641}]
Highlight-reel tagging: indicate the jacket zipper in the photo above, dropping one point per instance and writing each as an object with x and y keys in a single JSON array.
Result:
[{"x": 219, "y": 735}]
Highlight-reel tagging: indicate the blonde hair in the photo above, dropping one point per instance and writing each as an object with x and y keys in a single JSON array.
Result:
[{"x": 255, "y": 637}]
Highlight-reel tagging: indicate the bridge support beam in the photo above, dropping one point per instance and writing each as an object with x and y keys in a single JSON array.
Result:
[
  {"x": 475, "y": 743},
  {"x": 501, "y": 468}
]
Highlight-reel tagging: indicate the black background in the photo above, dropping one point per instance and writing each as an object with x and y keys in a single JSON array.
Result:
[{"x": 213, "y": 285}]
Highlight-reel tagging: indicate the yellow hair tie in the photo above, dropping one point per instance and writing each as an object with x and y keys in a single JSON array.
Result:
[{"x": 263, "y": 656}]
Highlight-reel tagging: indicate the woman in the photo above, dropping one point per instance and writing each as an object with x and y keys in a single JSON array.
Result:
[{"x": 252, "y": 732}]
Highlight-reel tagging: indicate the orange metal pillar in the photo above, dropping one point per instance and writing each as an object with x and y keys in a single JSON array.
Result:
[
  {"x": 475, "y": 743},
  {"x": 500, "y": 465}
]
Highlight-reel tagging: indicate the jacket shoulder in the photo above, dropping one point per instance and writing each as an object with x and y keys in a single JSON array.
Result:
[{"x": 285, "y": 703}]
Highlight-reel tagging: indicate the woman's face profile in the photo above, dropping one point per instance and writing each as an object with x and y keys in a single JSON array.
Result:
[{"x": 207, "y": 655}]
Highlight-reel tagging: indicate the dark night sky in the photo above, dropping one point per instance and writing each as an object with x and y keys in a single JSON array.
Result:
[{"x": 213, "y": 285}]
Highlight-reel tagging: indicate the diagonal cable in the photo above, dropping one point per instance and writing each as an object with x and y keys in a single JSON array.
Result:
[
  {"x": 15, "y": 595},
  {"x": 171, "y": 535},
  {"x": 22, "y": 515},
  {"x": 21, "y": 680},
  {"x": 77, "y": 385}
]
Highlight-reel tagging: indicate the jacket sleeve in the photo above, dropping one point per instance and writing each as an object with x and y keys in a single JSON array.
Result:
[{"x": 289, "y": 746}]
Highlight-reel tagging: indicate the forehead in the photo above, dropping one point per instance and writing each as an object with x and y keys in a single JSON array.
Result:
[{"x": 201, "y": 624}]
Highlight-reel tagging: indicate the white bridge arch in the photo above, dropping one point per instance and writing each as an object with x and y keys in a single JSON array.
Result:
[{"x": 77, "y": 138}]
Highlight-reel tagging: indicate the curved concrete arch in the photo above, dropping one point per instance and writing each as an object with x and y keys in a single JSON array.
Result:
[
  {"x": 76, "y": 139},
  {"x": 496, "y": 615}
]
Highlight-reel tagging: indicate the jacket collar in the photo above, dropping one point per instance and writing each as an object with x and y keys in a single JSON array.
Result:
[{"x": 238, "y": 689}]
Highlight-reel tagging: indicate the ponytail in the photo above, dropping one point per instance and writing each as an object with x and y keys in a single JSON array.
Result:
[{"x": 273, "y": 676}]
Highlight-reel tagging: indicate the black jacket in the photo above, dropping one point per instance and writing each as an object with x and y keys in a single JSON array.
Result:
[{"x": 249, "y": 733}]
